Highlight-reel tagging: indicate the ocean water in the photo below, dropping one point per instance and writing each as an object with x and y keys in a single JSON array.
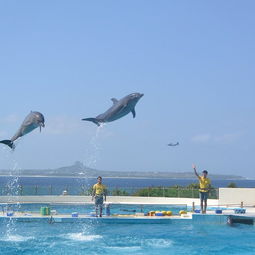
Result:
[
  {"x": 179, "y": 237},
  {"x": 121, "y": 182}
]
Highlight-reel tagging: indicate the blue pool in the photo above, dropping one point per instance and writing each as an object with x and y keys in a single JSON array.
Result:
[
  {"x": 180, "y": 237},
  {"x": 78, "y": 238}
]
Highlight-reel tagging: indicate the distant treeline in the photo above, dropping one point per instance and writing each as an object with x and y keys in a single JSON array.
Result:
[{"x": 190, "y": 191}]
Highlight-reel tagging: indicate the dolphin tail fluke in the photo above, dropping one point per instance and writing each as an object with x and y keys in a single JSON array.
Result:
[
  {"x": 94, "y": 120},
  {"x": 8, "y": 143}
]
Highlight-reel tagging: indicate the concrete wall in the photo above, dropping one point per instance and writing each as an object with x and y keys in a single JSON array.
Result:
[{"x": 236, "y": 196}]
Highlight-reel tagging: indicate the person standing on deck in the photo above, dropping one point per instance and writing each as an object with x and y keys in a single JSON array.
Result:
[
  {"x": 99, "y": 194},
  {"x": 204, "y": 187}
]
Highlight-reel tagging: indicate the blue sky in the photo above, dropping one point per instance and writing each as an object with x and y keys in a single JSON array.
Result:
[{"x": 193, "y": 60}]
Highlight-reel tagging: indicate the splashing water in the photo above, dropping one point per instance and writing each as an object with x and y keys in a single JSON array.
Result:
[
  {"x": 81, "y": 237},
  {"x": 12, "y": 189},
  {"x": 16, "y": 238},
  {"x": 92, "y": 154}
]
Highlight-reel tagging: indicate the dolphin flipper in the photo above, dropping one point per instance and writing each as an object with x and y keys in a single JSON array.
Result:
[
  {"x": 94, "y": 120},
  {"x": 133, "y": 112},
  {"x": 8, "y": 143}
]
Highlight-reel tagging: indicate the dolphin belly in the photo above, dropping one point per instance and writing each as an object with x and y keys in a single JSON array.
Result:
[
  {"x": 119, "y": 114},
  {"x": 24, "y": 130},
  {"x": 29, "y": 128}
]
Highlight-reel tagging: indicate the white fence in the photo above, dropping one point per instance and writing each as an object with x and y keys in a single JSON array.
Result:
[{"x": 227, "y": 196}]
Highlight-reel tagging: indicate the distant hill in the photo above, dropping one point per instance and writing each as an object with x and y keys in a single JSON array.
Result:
[{"x": 79, "y": 170}]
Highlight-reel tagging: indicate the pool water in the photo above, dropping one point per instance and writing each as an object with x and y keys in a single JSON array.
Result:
[{"x": 178, "y": 237}]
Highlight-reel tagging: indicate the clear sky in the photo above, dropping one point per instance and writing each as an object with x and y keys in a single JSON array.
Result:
[{"x": 193, "y": 60}]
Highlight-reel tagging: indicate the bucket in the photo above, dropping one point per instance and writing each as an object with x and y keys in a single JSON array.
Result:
[
  {"x": 45, "y": 211},
  {"x": 151, "y": 213},
  {"x": 240, "y": 210},
  {"x": 107, "y": 209},
  {"x": 75, "y": 214},
  {"x": 9, "y": 214},
  {"x": 159, "y": 214}
]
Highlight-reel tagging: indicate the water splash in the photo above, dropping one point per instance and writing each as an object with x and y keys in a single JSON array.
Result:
[
  {"x": 157, "y": 243},
  {"x": 86, "y": 233},
  {"x": 16, "y": 238},
  {"x": 81, "y": 237},
  {"x": 91, "y": 157},
  {"x": 94, "y": 149},
  {"x": 12, "y": 188}
]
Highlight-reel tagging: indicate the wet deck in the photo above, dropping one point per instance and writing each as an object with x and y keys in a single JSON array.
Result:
[
  {"x": 36, "y": 217},
  {"x": 227, "y": 216}
]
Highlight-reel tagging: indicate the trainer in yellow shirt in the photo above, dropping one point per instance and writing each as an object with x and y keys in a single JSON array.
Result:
[
  {"x": 204, "y": 185},
  {"x": 99, "y": 194},
  {"x": 99, "y": 189}
]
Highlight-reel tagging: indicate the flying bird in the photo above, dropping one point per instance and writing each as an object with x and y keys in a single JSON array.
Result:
[
  {"x": 119, "y": 109},
  {"x": 31, "y": 122}
]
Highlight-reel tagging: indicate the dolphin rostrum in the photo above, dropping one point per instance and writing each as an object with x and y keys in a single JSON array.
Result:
[
  {"x": 119, "y": 109},
  {"x": 31, "y": 122}
]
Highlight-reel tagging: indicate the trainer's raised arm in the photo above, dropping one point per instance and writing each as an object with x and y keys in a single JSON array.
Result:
[{"x": 195, "y": 170}]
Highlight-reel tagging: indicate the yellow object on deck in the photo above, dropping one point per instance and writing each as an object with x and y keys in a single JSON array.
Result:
[
  {"x": 151, "y": 213},
  {"x": 169, "y": 213},
  {"x": 182, "y": 212}
]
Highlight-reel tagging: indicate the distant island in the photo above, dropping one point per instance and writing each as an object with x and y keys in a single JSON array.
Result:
[{"x": 79, "y": 170}]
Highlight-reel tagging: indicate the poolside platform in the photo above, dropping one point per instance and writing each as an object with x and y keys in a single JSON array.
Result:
[
  {"x": 229, "y": 200},
  {"x": 113, "y": 219},
  {"x": 227, "y": 217}
]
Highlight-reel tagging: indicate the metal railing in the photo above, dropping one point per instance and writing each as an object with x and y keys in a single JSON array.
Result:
[{"x": 34, "y": 190}]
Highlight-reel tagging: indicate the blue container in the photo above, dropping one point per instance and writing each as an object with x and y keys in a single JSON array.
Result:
[
  {"x": 9, "y": 214},
  {"x": 75, "y": 214},
  {"x": 159, "y": 214},
  {"x": 107, "y": 210},
  {"x": 45, "y": 211},
  {"x": 218, "y": 211},
  {"x": 240, "y": 211},
  {"x": 197, "y": 211}
]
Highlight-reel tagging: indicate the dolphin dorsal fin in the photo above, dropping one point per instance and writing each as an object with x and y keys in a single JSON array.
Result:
[{"x": 114, "y": 100}]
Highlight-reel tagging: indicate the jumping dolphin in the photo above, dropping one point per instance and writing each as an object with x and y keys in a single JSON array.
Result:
[
  {"x": 119, "y": 109},
  {"x": 32, "y": 121},
  {"x": 173, "y": 144}
]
